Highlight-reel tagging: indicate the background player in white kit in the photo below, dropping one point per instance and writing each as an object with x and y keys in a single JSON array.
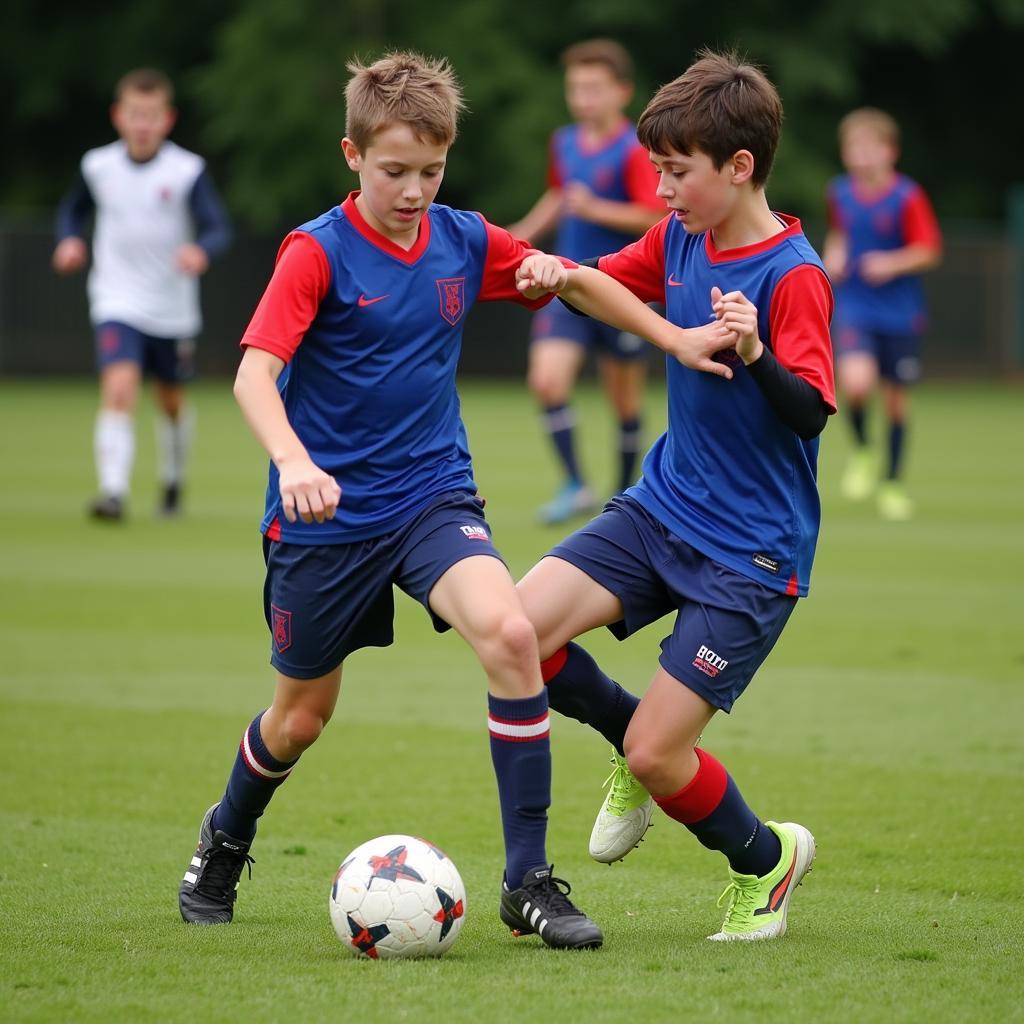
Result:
[{"x": 158, "y": 222}]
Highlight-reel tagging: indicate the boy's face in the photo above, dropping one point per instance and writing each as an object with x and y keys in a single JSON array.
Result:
[
  {"x": 143, "y": 120},
  {"x": 700, "y": 196},
  {"x": 399, "y": 175},
  {"x": 594, "y": 95},
  {"x": 867, "y": 153}
]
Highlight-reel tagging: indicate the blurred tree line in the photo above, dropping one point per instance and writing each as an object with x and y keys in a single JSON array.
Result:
[{"x": 260, "y": 87}]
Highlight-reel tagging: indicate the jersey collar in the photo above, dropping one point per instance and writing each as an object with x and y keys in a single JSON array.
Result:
[
  {"x": 382, "y": 242},
  {"x": 792, "y": 227}
]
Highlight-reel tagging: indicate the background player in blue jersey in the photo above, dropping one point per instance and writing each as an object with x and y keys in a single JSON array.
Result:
[
  {"x": 158, "y": 223},
  {"x": 600, "y": 195},
  {"x": 348, "y": 382},
  {"x": 882, "y": 235},
  {"x": 722, "y": 526}
]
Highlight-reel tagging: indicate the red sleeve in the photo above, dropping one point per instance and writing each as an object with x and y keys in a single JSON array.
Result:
[
  {"x": 642, "y": 180},
  {"x": 554, "y": 177},
  {"x": 504, "y": 254},
  {"x": 292, "y": 297},
  {"x": 919, "y": 224},
  {"x": 640, "y": 266},
  {"x": 799, "y": 317}
]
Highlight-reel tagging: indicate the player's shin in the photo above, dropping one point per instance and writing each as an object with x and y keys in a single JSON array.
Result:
[
  {"x": 711, "y": 806},
  {"x": 255, "y": 776},
  {"x": 521, "y": 754},
  {"x": 577, "y": 688}
]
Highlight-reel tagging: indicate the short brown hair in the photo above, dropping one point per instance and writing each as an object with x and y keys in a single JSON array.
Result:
[
  {"x": 874, "y": 120},
  {"x": 144, "y": 80},
  {"x": 403, "y": 88},
  {"x": 719, "y": 105},
  {"x": 611, "y": 54}
]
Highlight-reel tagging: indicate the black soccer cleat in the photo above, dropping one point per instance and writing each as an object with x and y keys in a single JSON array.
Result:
[
  {"x": 170, "y": 501},
  {"x": 543, "y": 907},
  {"x": 108, "y": 508},
  {"x": 208, "y": 890}
]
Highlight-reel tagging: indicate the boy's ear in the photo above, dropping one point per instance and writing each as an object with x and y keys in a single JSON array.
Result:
[
  {"x": 742, "y": 166},
  {"x": 352, "y": 156}
]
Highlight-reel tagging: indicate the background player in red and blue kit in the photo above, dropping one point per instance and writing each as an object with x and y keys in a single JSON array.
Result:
[
  {"x": 882, "y": 235},
  {"x": 600, "y": 195},
  {"x": 721, "y": 528},
  {"x": 348, "y": 382}
]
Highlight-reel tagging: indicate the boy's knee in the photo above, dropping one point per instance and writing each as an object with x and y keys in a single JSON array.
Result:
[
  {"x": 302, "y": 727},
  {"x": 510, "y": 642}
]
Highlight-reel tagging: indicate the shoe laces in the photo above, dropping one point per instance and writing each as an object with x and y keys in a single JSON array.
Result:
[
  {"x": 622, "y": 782},
  {"x": 555, "y": 899},
  {"x": 221, "y": 873},
  {"x": 743, "y": 898}
]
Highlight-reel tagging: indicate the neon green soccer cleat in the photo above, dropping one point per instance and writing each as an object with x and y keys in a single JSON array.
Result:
[
  {"x": 624, "y": 817},
  {"x": 893, "y": 502},
  {"x": 860, "y": 476},
  {"x": 758, "y": 906}
]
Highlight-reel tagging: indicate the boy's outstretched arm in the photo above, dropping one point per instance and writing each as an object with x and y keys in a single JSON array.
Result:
[
  {"x": 307, "y": 492},
  {"x": 602, "y": 297}
]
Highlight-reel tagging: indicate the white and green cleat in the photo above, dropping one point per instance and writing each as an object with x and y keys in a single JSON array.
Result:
[
  {"x": 624, "y": 817},
  {"x": 758, "y": 906},
  {"x": 894, "y": 503},
  {"x": 860, "y": 477}
]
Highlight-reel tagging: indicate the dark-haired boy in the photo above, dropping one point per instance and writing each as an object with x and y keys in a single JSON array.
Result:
[{"x": 722, "y": 526}]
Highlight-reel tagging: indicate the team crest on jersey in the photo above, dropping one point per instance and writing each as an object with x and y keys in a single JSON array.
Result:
[
  {"x": 282, "y": 628},
  {"x": 452, "y": 293}
]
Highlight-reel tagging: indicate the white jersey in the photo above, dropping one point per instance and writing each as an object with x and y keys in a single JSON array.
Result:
[{"x": 142, "y": 217}]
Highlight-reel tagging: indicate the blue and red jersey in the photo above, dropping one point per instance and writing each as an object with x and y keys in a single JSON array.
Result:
[
  {"x": 901, "y": 215},
  {"x": 728, "y": 476},
  {"x": 371, "y": 335},
  {"x": 617, "y": 168}
]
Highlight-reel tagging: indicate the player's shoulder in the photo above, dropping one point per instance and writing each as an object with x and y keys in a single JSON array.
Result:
[
  {"x": 324, "y": 223},
  {"x": 909, "y": 187},
  {"x": 183, "y": 160},
  {"x": 101, "y": 157}
]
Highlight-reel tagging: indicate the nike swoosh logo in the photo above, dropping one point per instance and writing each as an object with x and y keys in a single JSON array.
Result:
[
  {"x": 364, "y": 301},
  {"x": 673, "y": 282}
]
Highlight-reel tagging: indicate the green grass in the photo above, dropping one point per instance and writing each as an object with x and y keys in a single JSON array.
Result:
[{"x": 888, "y": 720}]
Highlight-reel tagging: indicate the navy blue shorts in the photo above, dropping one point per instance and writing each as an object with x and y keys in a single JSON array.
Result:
[
  {"x": 726, "y": 624},
  {"x": 555, "y": 321},
  {"x": 169, "y": 360},
  {"x": 324, "y": 601},
  {"x": 898, "y": 355}
]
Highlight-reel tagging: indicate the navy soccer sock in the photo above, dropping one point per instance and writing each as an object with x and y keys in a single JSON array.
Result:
[
  {"x": 897, "y": 437},
  {"x": 711, "y": 806},
  {"x": 255, "y": 775},
  {"x": 629, "y": 448},
  {"x": 859, "y": 422},
  {"x": 560, "y": 423},
  {"x": 521, "y": 753},
  {"x": 577, "y": 688}
]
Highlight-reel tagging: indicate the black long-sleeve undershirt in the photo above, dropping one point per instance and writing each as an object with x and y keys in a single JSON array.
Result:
[{"x": 795, "y": 401}]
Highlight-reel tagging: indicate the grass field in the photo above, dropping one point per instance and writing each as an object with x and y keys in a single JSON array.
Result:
[{"x": 888, "y": 720}]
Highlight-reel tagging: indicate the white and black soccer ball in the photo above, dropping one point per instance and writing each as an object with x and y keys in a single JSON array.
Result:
[{"x": 397, "y": 896}]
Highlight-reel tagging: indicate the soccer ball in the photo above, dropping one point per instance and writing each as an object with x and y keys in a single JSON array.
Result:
[{"x": 397, "y": 896}]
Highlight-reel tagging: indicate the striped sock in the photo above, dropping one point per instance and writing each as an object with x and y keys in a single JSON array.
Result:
[
  {"x": 521, "y": 753},
  {"x": 711, "y": 807},
  {"x": 255, "y": 775}
]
